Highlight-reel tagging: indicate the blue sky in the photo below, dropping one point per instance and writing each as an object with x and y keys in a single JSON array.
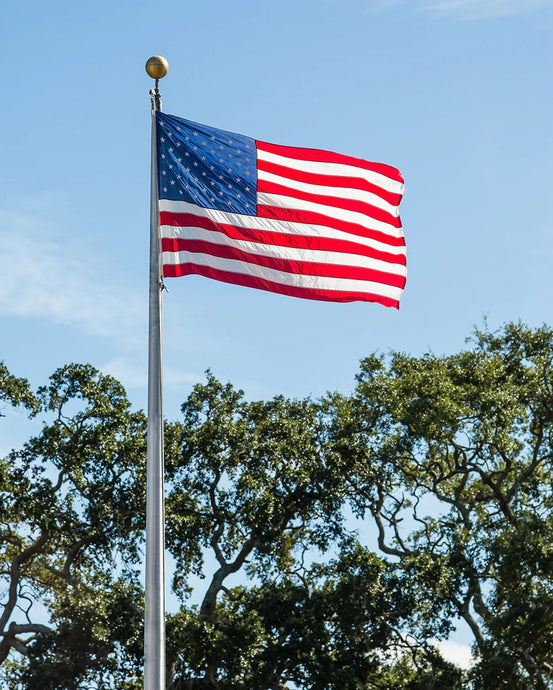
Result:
[{"x": 456, "y": 93}]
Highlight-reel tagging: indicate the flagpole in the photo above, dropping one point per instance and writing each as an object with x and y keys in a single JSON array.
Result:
[{"x": 154, "y": 623}]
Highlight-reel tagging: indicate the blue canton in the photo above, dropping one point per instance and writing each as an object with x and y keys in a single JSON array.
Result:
[{"x": 206, "y": 166}]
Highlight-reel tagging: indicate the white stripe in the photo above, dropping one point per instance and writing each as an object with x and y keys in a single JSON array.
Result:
[
  {"x": 363, "y": 219},
  {"x": 271, "y": 225},
  {"x": 337, "y": 192},
  {"x": 342, "y": 169},
  {"x": 281, "y": 277},
  {"x": 287, "y": 253}
]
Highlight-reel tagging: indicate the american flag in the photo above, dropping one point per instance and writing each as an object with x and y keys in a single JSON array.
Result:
[{"x": 295, "y": 221}]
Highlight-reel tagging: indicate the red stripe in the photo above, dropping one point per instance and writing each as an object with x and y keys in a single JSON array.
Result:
[
  {"x": 329, "y": 180},
  {"x": 306, "y": 268},
  {"x": 333, "y": 201},
  {"x": 312, "y": 218},
  {"x": 171, "y": 271},
  {"x": 184, "y": 220},
  {"x": 318, "y": 156}
]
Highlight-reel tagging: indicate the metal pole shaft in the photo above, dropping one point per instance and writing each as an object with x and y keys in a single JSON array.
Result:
[{"x": 154, "y": 630}]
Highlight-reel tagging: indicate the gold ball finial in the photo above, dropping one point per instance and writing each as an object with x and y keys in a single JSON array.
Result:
[{"x": 157, "y": 67}]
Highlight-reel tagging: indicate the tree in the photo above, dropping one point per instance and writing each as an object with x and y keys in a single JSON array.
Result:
[
  {"x": 71, "y": 507},
  {"x": 446, "y": 459},
  {"x": 16, "y": 391},
  {"x": 250, "y": 482},
  {"x": 259, "y": 485},
  {"x": 451, "y": 457},
  {"x": 336, "y": 626}
]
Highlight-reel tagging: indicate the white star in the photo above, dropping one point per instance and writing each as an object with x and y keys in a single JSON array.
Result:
[
  {"x": 162, "y": 140},
  {"x": 195, "y": 134},
  {"x": 171, "y": 150},
  {"x": 247, "y": 189}
]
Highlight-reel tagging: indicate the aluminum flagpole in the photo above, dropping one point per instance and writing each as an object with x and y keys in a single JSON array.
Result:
[{"x": 154, "y": 623}]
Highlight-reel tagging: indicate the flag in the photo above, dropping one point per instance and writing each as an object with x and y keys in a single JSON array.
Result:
[{"x": 296, "y": 221}]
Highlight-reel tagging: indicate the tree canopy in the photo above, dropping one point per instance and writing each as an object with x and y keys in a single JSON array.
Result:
[
  {"x": 70, "y": 527},
  {"x": 316, "y": 544},
  {"x": 450, "y": 457}
]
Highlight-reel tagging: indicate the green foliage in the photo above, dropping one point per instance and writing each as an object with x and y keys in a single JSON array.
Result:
[
  {"x": 451, "y": 457},
  {"x": 16, "y": 391},
  {"x": 71, "y": 507},
  {"x": 250, "y": 481},
  {"x": 97, "y": 641},
  {"x": 422, "y": 669},
  {"x": 327, "y": 629},
  {"x": 446, "y": 460},
  {"x": 261, "y": 486}
]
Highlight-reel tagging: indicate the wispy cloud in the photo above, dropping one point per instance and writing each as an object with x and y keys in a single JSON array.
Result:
[
  {"x": 464, "y": 9},
  {"x": 482, "y": 9},
  {"x": 44, "y": 277},
  {"x": 48, "y": 274},
  {"x": 133, "y": 373}
]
